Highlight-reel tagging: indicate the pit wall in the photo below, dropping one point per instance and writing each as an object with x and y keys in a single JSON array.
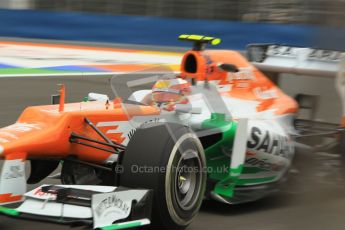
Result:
[{"x": 144, "y": 30}]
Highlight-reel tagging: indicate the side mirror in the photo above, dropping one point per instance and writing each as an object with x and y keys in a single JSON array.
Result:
[{"x": 228, "y": 67}]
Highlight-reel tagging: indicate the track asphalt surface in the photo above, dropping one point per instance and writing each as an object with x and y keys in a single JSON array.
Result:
[{"x": 313, "y": 197}]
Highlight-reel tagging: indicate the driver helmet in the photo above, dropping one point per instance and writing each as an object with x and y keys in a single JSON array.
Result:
[{"x": 167, "y": 93}]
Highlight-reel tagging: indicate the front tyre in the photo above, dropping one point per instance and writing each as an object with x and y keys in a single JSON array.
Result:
[{"x": 169, "y": 159}]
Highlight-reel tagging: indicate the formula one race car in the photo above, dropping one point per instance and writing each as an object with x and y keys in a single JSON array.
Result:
[{"x": 220, "y": 130}]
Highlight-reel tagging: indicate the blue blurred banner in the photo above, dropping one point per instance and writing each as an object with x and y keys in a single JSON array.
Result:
[{"x": 149, "y": 30}]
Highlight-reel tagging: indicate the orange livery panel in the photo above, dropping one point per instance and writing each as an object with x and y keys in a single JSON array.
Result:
[{"x": 43, "y": 131}]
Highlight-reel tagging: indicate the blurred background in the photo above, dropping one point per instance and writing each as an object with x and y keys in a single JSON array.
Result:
[
  {"x": 315, "y": 12},
  {"x": 156, "y": 25},
  {"x": 239, "y": 22}
]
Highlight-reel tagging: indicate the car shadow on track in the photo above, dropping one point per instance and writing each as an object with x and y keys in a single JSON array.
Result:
[{"x": 275, "y": 201}]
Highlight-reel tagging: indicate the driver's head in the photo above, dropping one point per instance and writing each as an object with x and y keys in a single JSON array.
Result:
[{"x": 170, "y": 91}]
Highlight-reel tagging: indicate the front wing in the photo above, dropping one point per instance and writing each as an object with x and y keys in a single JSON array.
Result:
[{"x": 100, "y": 207}]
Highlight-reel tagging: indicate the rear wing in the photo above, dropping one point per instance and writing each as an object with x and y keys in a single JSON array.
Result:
[{"x": 275, "y": 58}]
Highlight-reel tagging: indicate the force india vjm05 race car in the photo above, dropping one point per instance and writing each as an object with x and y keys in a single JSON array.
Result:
[{"x": 219, "y": 130}]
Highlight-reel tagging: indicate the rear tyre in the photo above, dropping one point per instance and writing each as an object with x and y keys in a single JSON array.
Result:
[{"x": 169, "y": 159}]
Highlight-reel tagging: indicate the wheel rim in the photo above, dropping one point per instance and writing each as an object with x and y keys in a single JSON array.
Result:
[
  {"x": 183, "y": 210},
  {"x": 188, "y": 178}
]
